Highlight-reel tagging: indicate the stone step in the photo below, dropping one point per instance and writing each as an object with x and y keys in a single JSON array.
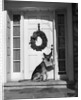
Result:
[{"x": 34, "y": 84}]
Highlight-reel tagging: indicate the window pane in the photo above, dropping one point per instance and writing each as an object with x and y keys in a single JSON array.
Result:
[
  {"x": 61, "y": 53},
  {"x": 61, "y": 65},
  {"x": 16, "y": 31},
  {"x": 16, "y": 66},
  {"x": 60, "y": 18},
  {"x": 16, "y": 54},
  {"x": 61, "y": 30},
  {"x": 16, "y": 19},
  {"x": 16, "y": 42},
  {"x": 61, "y": 42}
]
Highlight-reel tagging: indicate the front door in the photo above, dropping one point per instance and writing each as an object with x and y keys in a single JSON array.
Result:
[{"x": 33, "y": 57}]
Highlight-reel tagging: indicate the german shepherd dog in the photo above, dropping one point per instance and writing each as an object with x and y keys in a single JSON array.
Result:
[{"x": 40, "y": 72}]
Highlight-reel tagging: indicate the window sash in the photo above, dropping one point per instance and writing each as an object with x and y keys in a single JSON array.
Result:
[
  {"x": 61, "y": 42},
  {"x": 16, "y": 43}
]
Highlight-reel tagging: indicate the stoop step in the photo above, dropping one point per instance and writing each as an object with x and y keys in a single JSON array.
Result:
[{"x": 33, "y": 84}]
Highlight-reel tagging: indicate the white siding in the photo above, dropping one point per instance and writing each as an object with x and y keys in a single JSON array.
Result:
[
  {"x": 6, "y": 43},
  {"x": 1, "y": 49},
  {"x": 8, "y": 39}
]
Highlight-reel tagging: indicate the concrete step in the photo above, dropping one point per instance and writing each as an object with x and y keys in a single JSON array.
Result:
[{"x": 34, "y": 84}]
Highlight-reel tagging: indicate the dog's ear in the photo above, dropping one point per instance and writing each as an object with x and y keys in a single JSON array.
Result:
[
  {"x": 50, "y": 54},
  {"x": 44, "y": 54}
]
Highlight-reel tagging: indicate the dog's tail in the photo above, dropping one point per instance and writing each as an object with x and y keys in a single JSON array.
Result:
[{"x": 32, "y": 78}]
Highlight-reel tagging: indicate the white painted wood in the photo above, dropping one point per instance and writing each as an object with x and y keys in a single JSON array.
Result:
[
  {"x": 5, "y": 49},
  {"x": 8, "y": 47},
  {"x": 22, "y": 46},
  {"x": 57, "y": 77},
  {"x": 32, "y": 58}
]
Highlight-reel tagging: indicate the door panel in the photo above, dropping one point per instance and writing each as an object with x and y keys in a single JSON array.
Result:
[{"x": 32, "y": 57}]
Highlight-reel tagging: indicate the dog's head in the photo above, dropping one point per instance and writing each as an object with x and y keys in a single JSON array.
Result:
[
  {"x": 47, "y": 57},
  {"x": 48, "y": 61}
]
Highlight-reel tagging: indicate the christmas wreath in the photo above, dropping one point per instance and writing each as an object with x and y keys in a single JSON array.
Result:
[{"x": 34, "y": 39}]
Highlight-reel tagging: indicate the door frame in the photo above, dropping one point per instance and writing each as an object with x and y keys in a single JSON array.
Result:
[
  {"x": 55, "y": 54},
  {"x": 69, "y": 52}
]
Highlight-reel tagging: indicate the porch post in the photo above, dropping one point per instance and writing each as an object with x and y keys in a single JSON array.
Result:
[
  {"x": 4, "y": 45},
  {"x": 56, "y": 75}
]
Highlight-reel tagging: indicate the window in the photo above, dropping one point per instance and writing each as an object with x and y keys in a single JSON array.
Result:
[
  {"x": 61, "y": 48},
  {"x": 16, "y": 43}
]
